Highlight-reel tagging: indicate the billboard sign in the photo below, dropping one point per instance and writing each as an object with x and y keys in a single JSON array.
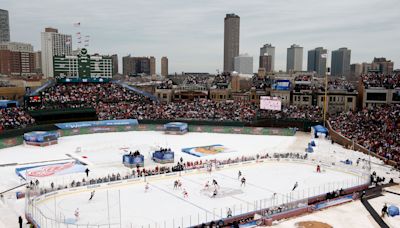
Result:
[
  {"x": 101, "y": 123},
  {"x": 270, "y": 103},
  {"x": 281, "y": 85}
]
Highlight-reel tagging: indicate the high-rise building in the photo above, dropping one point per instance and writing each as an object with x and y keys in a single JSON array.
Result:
[
  {"x": 340, "y": 64},
  {"x": 366, "y": 67},
  {"x": 53, "y": 43},
  {"x": 164, "y": 66},
  {"x": 317, "y": 61},
  {"x": 244, "y": 64},
  {"x": 231, "y": 40},
  {"x": 266, "y": 62},
  {"x": 4, "y": 26},
  {"x": 355, "y": 72},
  {"x": 38, "y": 61},
  {"x": 270, "y": 51},
  {"x": 294, "y": 60},
  {"x": 152, "y": 65},
  {"x": 135, "y": 65},
  {"x": 115, "y": 64},
  {"x": 383, "y": 65},
  {"x": 16, "y": 59}
]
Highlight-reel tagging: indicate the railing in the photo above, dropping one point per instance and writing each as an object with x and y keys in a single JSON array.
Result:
[{"x": 278, "y": 203}]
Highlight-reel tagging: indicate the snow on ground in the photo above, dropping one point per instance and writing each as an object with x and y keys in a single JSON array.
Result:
[
  {"x": 389, "y": 199},
  {"x": 352, "y": 215},
  {"x": 104, "y": 154}
]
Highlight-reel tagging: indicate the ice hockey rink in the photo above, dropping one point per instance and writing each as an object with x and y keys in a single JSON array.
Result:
[{"x": 161, "y": 205}]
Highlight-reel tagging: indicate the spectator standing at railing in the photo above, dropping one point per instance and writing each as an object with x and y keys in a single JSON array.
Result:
[
  {"x": 87, "y": 172},
  {"x": 20, "y": 221}
]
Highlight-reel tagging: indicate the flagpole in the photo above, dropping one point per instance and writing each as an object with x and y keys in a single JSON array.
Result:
[{"x": 325, "y": 97}]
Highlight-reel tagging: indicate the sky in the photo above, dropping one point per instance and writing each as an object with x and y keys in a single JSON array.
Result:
[{"x": 190, "y": 32}]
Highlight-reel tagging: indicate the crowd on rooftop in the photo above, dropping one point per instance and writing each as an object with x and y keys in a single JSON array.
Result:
[{"x": 389, "y": 81}]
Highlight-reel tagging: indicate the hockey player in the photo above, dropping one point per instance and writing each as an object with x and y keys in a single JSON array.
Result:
[
  {"x": 215, "y": 183},
  {"x": 295, "y": 186},
  {"x": 243, "y": 182},
  {"x": 91, "y": 195},
  {"x": 179, "y": 184},
  {"x": 214, "y": 193},
  {"x": 318, "y": 169},
  {"x": 175, "y": 184},
  {"x": 239, "y": 175},
  {"x": 207, "y": 185},
  {"x": 146, "y": 188},
  {"x": 185, "y": 193},
  {"x": 229, "y": 213},
  {"x": 76, "y": 214}
]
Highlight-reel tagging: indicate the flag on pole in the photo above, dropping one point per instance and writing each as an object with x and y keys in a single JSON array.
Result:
[
  {"x": 77, "y": 24},
  {"x": 324, "y": 56}
]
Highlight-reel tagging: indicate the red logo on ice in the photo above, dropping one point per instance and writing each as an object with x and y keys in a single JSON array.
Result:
[{"x": 49, "y": 170}]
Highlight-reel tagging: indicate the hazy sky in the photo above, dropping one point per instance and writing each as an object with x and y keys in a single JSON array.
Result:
[{"x": 190, "y": 32}]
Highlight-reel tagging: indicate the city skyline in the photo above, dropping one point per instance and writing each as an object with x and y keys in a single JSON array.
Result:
[{"x": 193, "y": 39}]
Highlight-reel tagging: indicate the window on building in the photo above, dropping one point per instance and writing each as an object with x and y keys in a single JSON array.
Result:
[
  {"x": 349, "y": 99},
  {"x": 396, "y": 96},
  {"x": 306, "y": 99},
  {"x": 376, "y": 96}
]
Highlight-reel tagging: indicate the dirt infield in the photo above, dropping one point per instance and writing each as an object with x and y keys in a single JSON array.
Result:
[{"x": 312, "y": 224}]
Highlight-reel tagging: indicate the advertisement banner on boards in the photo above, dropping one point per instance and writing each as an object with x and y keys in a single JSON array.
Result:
[{"x": 101, "y": 123}]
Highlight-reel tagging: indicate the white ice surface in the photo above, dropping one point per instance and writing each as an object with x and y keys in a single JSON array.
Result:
[{"x": 162, "y": 203}]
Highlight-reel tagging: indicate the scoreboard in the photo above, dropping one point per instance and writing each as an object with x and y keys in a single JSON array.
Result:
[
  {"x": 270, "y": 103},
  {"x": 35, "y": 100}
]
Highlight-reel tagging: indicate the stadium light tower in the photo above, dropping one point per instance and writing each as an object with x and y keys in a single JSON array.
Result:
[{"x": 326, "y": 89}]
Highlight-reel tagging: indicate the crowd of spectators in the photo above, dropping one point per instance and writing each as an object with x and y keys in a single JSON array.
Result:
[
  {"x": 86, "y": 95},
  {"x": 168, "y": 84},
  {"x": 313, "y": 113},
  {"x": 112, "y": 101},
  {"x": 201, "y": 109},
  {"x": 221, "y": 81},
  {"x": 15, "y": 117},
  {"x": 303, "y": 78},
  {"x": 388, "y": 81},
  {"x": 377, "y": 129},
  {"x": 196, "y": 79},
  {"x": 261, "y": 83},
  {"x": 6, "y": 84},
  {"x": 338, "y": 84}
]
